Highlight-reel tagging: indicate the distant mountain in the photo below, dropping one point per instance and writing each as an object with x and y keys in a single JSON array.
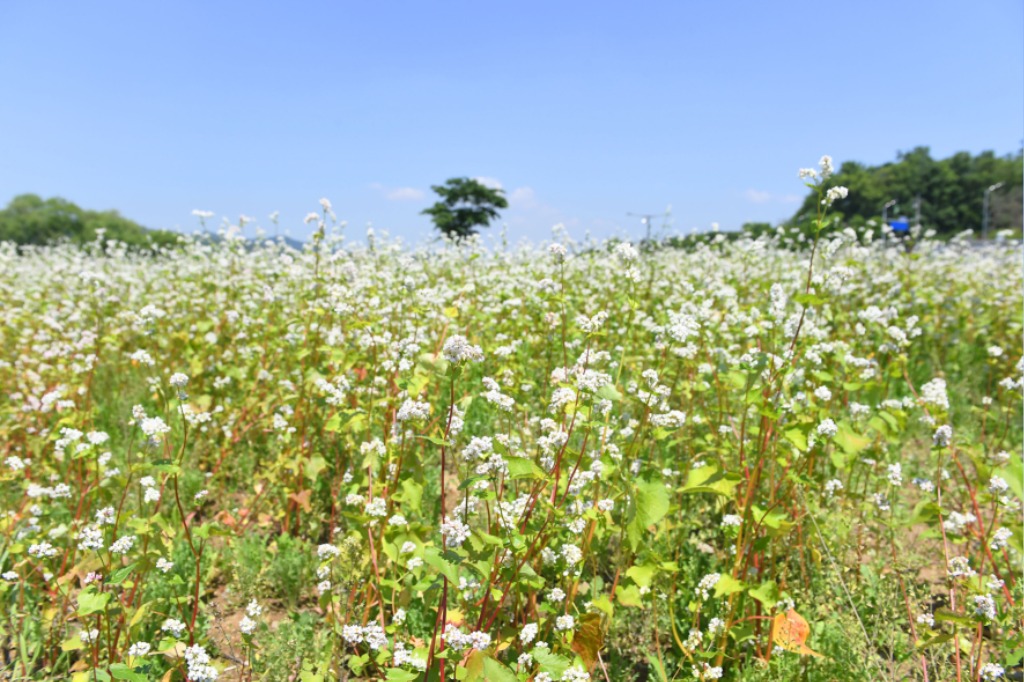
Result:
[{"x": 294, "y": 243}]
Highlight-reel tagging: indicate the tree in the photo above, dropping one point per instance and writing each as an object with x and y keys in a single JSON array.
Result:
[
  {"x": 30, "y": 219},
  {"x": 951, "y": 190},
  {"x": 465, "y": 204}
]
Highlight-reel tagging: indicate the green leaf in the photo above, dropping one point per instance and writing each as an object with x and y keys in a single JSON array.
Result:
[
  {"x": 121, "y": 574},
  {"x": 90, "y": 601},
  {"x": 642, "y": 575},
  {"x": 471, "y": 481},
  {"x": 495, "y": 671},
  {"x": 736, "y": 379},
  {"x": 629, "y": 595},
  {"x": 880, "y": 425},
  {"x": 938, "y": 639},
  {"x": 417, "y": 383},
  {"x": 207, "y": 530},
  {"x": 120, "y": 671},
  {"x": 314, "y": 466},
  {"x": 345, "y": 421},
  {"x": 521, "y": 468},
  {"x": 925, "y": 512},
  {"x": 649, "y": 505},
  {"x": 399, "y": 675},
  {"x": 1013, "y": 474},
  {"x": 945, "y": 614},
  {"x": 839, "y": 459},
  {"x": 851, "y": 442},
  {"x": 357, "y": 663},
  {"x": 603, "y": 604},
  {"x": 412, "y": 495},
  {"x": 489, "y": 539},
  {"x": 797, "y": 437},
  {"x": 808, "y": 299},
  {"x": 432, "y": 557},
  {"x": 550, "y": 663},
  {"x": 774, "y": 519},
  {"x": 72, "y": 644},
  {"x": 658, "y": 668},
  {"x": 709, "y": 479},
  {"x": 609, "y": 392},
  {"x": 767, "y": 593},
  {"x": 893, "y": 423},
  {"x": 727, "y": 585}
]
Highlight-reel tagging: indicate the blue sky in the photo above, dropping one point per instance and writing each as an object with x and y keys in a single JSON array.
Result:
[{"x": 583, "y": 111}]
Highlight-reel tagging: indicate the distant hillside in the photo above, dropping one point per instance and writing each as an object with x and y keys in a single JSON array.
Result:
[
  {"x": 30, "y": 219},
  {"x": 951, "y": 190}
]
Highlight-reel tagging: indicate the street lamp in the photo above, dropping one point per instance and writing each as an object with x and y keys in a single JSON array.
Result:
[
  {"x": 984, "y": 209},
  {"x": 885, "y": 211}
]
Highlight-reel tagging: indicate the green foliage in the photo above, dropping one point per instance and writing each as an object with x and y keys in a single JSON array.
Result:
[
  {"x": 951, "y": 190},
  {"x": 650, "y": 504},
  {"x": 465, "y": 205},
  {"x": 289, "y": 569},
  {"x": 29, "y": 219}
]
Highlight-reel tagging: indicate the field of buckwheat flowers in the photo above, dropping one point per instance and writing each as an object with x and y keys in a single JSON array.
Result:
[{"x": 791, "y": 457}]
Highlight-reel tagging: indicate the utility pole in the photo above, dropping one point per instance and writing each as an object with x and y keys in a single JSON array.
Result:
[
  {"x": 917, "y": 210},
  {"x": 645, "y": 219},
  {"x": 984, "y": 209},
  {"x": 885, "y": 211}
]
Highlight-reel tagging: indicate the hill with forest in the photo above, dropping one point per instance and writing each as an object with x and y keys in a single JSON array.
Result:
[
  {"x": 951, "y": 190},
  {"x": 30, "y": 219}
]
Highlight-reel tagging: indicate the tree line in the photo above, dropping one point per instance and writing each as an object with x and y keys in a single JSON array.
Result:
[
  {"x": 951, "y": 191},
  {"x": 30, "y": 219}
]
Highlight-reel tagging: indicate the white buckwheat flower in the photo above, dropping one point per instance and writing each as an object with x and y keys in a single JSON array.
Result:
[
  {"x": 706, "y": 584},
  {"x": 139, "y": 649},
  {"x": 832, "y": 195},
  {"x": 173, "y": 626},
  {"x": 457, "y": 348},
  {"x": 565, "y": 622}
]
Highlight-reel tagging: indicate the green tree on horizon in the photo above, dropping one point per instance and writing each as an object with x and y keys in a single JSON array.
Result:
[
  {"x": 951, "y": 190},
  {"x": 465, "y": 205},
  {"x": 30, "y": 219}
]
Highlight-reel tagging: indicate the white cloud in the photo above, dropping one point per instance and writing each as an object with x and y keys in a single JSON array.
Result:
[
  {"x": 404, "y": 194},
  {"x": 522, "y": 198},
  {"x": 398, "y": 193},
  {"x": 493, "y": 183}
]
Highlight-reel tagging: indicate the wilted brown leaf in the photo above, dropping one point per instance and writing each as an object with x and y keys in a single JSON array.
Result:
[
  {"x": 589, "y": 639},
  {"x": 790, "y": 631}
]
